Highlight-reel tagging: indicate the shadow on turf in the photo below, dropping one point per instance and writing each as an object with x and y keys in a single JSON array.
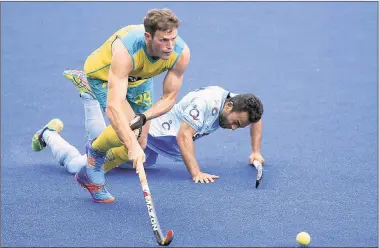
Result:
[{"x": 158, "y": 171}]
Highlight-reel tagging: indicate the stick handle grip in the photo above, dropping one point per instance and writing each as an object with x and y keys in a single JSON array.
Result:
[{"x": 142, "y": 177}]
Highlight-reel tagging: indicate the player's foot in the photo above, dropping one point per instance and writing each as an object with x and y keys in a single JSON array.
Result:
[
  {"x": 37, "y": 142},
  {"x": 98, "y": 191},
  {"x": 79, "y": 79},
  {"x": 91, "y": 176}
]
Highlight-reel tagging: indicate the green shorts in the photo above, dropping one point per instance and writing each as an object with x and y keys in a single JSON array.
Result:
[{"x": 139, "y": 97}]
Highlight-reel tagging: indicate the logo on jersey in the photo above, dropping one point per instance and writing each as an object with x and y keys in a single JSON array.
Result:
[
  {"x": 167, "y": 125},
  {"x": 194, "y": 113},
  {"x": 214, "y": 111}
]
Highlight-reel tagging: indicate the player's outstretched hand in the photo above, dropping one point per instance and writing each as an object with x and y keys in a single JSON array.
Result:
[{"x": 204, "y": 178}]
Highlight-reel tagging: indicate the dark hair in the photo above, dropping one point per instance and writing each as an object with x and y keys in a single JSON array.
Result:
[
  {"x": 160, "y": 19},
  {"x": 247, "y": 103}
]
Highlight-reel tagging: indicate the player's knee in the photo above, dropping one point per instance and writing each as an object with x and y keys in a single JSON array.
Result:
[{"x": 108, "y": 139}]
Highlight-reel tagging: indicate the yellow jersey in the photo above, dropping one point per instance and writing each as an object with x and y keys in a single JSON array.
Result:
[{"x": 144, "y": 66}]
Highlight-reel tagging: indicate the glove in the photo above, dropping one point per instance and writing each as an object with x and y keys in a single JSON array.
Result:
[{"x": 138, "y": 121}]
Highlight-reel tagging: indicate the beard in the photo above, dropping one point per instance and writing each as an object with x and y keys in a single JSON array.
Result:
[{"x": 223, "y": 120}]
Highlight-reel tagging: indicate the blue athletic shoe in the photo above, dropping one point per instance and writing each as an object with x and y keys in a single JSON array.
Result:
[
  {"x": 92, "y": 178},
  {"x": 98, "y": 191}
]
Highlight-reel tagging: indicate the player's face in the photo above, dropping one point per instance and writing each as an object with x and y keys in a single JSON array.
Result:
[
  {"x": 233, "y": 120},
  {"x": 163, "y": 43}
]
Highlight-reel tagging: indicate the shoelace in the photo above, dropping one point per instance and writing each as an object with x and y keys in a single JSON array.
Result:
[
  {"x": 108, "y": 186},
  {"x": 104, "y": 190}
]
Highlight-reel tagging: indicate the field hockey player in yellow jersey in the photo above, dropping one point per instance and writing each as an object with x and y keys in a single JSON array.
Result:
[{"x": 120, "y": 75}]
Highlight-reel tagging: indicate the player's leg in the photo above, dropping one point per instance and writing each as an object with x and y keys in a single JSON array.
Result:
[
  {"x": 115, "y": 160},
  {"x": 93, "y": 96},
  {"x": 94, "y": 120},
  {"x": 64, "y": 153},
  {"x": 115, "y": 157},
  {"x": 166, "y": 146},
  {"x": 92, "y": 175}
]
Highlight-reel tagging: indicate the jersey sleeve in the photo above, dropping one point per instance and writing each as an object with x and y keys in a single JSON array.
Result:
[{"x": 194, "y": 113}]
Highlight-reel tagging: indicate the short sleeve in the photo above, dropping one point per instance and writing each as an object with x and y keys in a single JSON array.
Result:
[{"x": 194, "y": 113}]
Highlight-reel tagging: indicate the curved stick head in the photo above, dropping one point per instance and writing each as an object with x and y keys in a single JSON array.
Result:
[
  {"x": 259, "y": 168},
  {"x": 167, "y": 240}
]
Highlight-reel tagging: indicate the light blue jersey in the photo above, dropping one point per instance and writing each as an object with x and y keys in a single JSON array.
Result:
[{"x": 199, "y": 108}]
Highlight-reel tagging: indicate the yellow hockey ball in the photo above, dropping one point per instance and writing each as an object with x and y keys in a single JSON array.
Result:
[{"x": 303, "y": 238}]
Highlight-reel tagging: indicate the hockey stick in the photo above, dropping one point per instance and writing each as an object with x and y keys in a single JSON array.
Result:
[
  {"x": 259, "y": 168},
  {"x": 163, "y": 241}
]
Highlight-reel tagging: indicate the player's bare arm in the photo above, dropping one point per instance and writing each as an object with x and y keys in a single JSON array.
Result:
[
  {"x": 171, "y": 86},
  {"x": 187, "y": 149},
  {"x": 118, "y": 109},
  {"x": 256, "y": 137}
]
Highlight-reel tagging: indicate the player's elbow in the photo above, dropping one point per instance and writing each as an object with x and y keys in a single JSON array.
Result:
[
  {"x": 179, "y": 138},
  {"x": 170, "y": 102},
  {"x": 183, "y": 138}
]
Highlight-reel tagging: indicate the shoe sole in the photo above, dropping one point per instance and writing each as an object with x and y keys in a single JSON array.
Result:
[{"x": 81, "y": 85}]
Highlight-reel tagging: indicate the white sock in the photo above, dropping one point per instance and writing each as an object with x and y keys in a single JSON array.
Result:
[
  {"x": 76, "y": 163},
  {"x": 64, "y": 153},
  {"x": 94, "y": 119}
]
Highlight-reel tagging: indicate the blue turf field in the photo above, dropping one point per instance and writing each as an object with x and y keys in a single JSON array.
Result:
[{"x": 314, "y": 65}]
